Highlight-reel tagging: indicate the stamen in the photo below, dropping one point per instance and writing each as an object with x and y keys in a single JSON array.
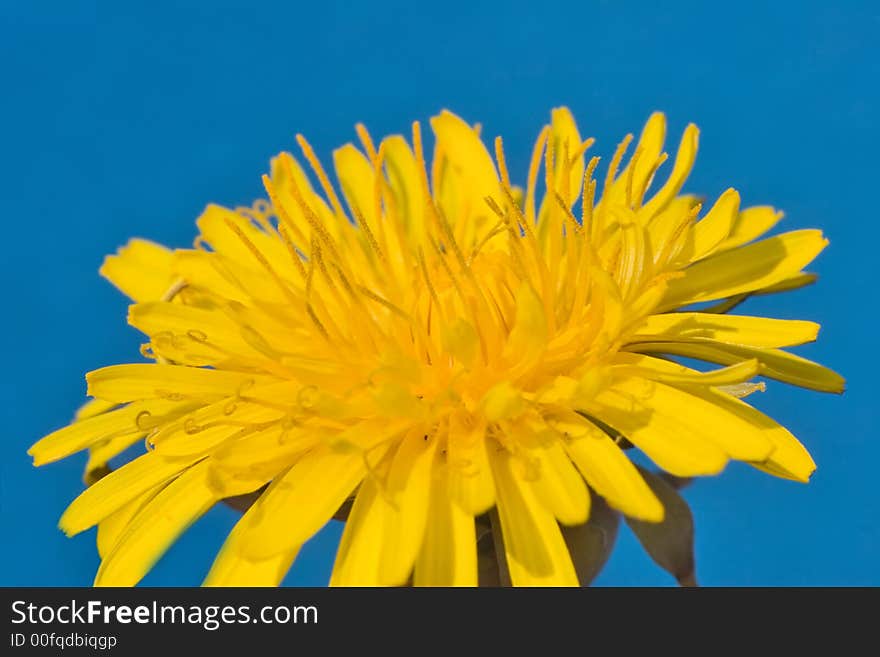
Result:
[
  {"x": 633, "y": 163},
  {"x": 575, "y": 226},
  {"x": 549, "y": 169},
  {"x": 384, "y": 302},
  {"x": 256, "y": 341},
  {"x": 142, "y": 421},
  {"x": 258, "y": 214},
  {"x": 741, "y": 390},
  {"x": 643, "y": 189},
  {"x": 174, "y": 290},
  {"x": 498, "y": 228},
  {"x": 286, "y": 221},
  {"x": 378, "y": 179},
  {"x": 453, "y": 279},
  {"x": 438, "y": 165},
  {"x": 262, "y": 260},
  {"x": 315, "y": 163},
  {"x": 161, "y": 393},
  {"x": 582, "y": 149},
  {"x": 310, "y": 273},
  {"x": 291, "y": 249},
  {"x": 424, "y": 269},
  {"x": 385, "y": 197},
  {"x": 197, "y": 336},
  {"x": 589, "y": 192},
  {"x": 191, "y": 427},
  {"x": 533, "y": 173},
  {"x": 317, "y": 322},
  {"x": 566, "y": 172},
  {"x": 367, "y": 142},
  {"x": 420, "y": 159},
  {"x": 319, "y": 260},
  {"x": 522, "y": 221},
  {"x": 502, "y": 163},
  {"x": 611, "y": 174},
  {"x": 447, "y": 229},
  {"x": 667, "y": 251},
  {"x": 311, "y": 217},
  {"x": 364, "y": 226}
]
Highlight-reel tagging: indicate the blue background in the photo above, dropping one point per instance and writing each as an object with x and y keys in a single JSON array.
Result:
[{"x": 126, "y": 120}]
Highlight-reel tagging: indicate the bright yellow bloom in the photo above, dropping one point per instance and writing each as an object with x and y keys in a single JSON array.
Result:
[{"x": 444, "y": 346}]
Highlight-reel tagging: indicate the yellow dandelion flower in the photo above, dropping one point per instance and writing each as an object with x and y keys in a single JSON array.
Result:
[{"x": 437, "y": 343}]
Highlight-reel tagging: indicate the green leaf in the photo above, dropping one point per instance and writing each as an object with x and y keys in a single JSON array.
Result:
[
  {"x": 669, "y": 543},
  {"x": 590, "y": 544},
  {"x": 491, "y": 571}
]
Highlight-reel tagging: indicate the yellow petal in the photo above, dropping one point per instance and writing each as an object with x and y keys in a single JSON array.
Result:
[
  {"x": 215, "y": 230},
  {"x": 502, "y": 401},
  {"x": 536, "y": 552},
  {"x": 715, "y": 227},
  {"x": 745, "y": 269},
  {"x": 558, "y": 486},
  {"x": 232, "y": 568},
  {"x": 528, "y": 337},
  {"x": 299, "y": 503},
  {"x": 365, "y": 527},
  {"x": 404, "y": 179},
  {"x": 287, "y": 171},
  {"x": 141, "y": 269},
  {"x": 563, "y": 131},
  {"x": 409, "y": 484},
  {"x": 92, "y": 408},
  {"x": 468, "y": 157},
  {"x": 461, "y": 341},
  {"x": 386, "y": 526},
  {"x": 667, "y": 232},
  {"x": 208, "y": 429},
  {"x": 448, "y": 556},
  {"x": 245, "y": 280},
  {"x": 156, "y": 527},
  {"x": 684, "y": 162},
  {"x": 357, "y": 179},
  {"x": 649, "y": 149},
  {"x": 733, "y": 329},
  {"x": 788, "y": 459},
  {"x": 791, "y": 283},
  {"x": 631, "y": 408},
  {"x": 738, "y": 439},
  {"x": 111, "y": 527},
  {"x": 125, "y": 383},
  {"x": 82, "y": 434},
  {"x": 774, "y": 363},
  {"x": 220, "y": 334},
  {"x": 101, "y": 453},
  {"x": 200, "y": 269},
  {"x": 260, "y": 455},
  {"x": 463, "y": 175},
  {"x": 116, "y": 489},
  {"x": 610, "y": 473},
  {"x": 658, "y": 369},
  {"x": 565, "y": 141},
  {"x": 750, "y": 224},
  {"x": 651, "y": 145},
  {"x": 470, "y": 476}
]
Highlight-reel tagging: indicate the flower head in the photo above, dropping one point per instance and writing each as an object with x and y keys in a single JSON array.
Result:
[{"x": 436, "y": 343}]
